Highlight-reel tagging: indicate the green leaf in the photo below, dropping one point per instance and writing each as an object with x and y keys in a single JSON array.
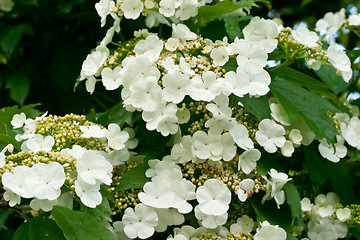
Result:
[
  {"x": 305, "y": 2},
  {"x": 4, "y": 214},
  {"x": 259, "y": 107},
  {"x": 26, "y": 2},
  {"x": 13, "y": 36},
  {"x": 297, "y": 101},
  {"x": 39, "y": 229},
  {"x": 322, "y": 170},
  {"x": 328, "y": 75},
  {"x": 293, "y": 200},
  {"x": 269, "y": 212},
  {"x": 133, "y": 179},
  {"x": 19, "y": 86},
  {"x": 7, "y": 139},
  {"x": 79, "y": 225},
  {"x": 305, "y": 81},
  {"x": 209, "y": 13},
  {"x": 117, "y": 114},
  {"x": 100, "y": 211}
]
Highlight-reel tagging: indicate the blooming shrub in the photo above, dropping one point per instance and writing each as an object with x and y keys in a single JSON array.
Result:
[{"x": 225, "y": 139}]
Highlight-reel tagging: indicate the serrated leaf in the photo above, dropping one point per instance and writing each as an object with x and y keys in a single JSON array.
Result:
[
  {"x": 259, "y": 107},
  {"x": 79, "y": 225},
  {"x": 209, "y": 13},
  {"x": 293, "y": 200},
  {"x": 322, "y": 170},
  {"x": 297, "y": 101},
  {"x": 101, "y": 210},
  {"x": 328, "y": 75},
  {"x": 306, "y": 81},
  {"x": 19, "y": 86},
  {"x": 134, "y": 179},
  {"x": 39, "y": 229}
]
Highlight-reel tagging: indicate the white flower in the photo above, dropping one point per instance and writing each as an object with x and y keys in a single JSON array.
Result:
[
  {"x": 247, "y": 160},
  {"x": 305, "y": 37},
  {"x": 116, "y": 138},
  {"x": 327, "y": 150},
  {"x": 132, "y": 8},
  {"x": 93, "y": 168},
  {"x": 18, "y": 120},
  {"x": 257, "y": 80},
  {"x": 183, "y": 115},
  {"x": 270, "y": 232},
  {"x": 240, "y": 135},
  {"x": 12, "y": 198},
  {"x": 89, "y": 194},
  {"x": 151, "y": 47},
  {"x": 94, "y": 61},
  {"x": 295, "y": 136},
  {"x": 111, "y": 79},
  {"x": 163, "y": 119},
  {"x": 249, "y": 52},
  {"x": 244, "y": 224},
  {"x": 184, "y": 151},
  {"x": 176, "y": 86},
  {"x": 16, "y": 181},
  {"x": 270, "y": 135},
  {"x": 219, "y": 56},
  {"x": 38, "y": 142},
  {"x": 92, "y": 131},
  {"x": 343, "y": 214},
  {"x": 167, "y": 7},
  {"x": 118, "y": 232},
  {"x": 354, "y": 20},
  {"x": 103, "y": 8},
  {"x": 45, "y": 180},
  {"x": 205, "y": 88},
  {"x": 172, "y": 44},
  {"x": 43, "y": 204},
  {"x": 276, "y": 183},
  {"x": 339, "y": 60},
  {"x": 262, "y": 33},
  {"x": 351, "y": 132},
  {"x": 140, "y": 223},
  {"x": 76, "y": 151},
  {"x": 182, "y": 32},
  {"x": 287, "y": 149},
  {"x": 168, "y": 217},
  {"x": 188, "y": 9},
  {"x": 213, "y": 197},
  {"x": 159, "y": 194},
  {"x": 246, "y": 189},
  {"x": 209, "y": 220},
  {"x": 331, "y": 22},
  {"x": 306, "y": 205},
  {"x": 205, "y": 145}
]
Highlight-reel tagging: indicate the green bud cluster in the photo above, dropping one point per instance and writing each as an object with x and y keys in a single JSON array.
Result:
[
  {"x": 230, "y": 236},
  {"x": 243, "y": 116},
  {"x": 199, "y": 173},
  {"x": 66, "y": 131},
  {"x": 355, "y": 213},
  {"x": 303, "y": 183}
]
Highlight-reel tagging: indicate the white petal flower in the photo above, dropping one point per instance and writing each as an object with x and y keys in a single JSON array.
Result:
[
  {"x": 111, "y": 79},
  {"x": 213, "y": 197},
  {"x": 340, "y": 61},
  {"x": 247, "y": 160},
  {"x": 287, "y": 149},
  {"x": 188, "y": 9},
  {"x": 351, "y": 132},
  {"x": 93, "y": 168},
  {"x": 246, "y": 189},
  {"x": 305, "y": 37},
  {"x": 250, "y": 53},
  {"x": 205, "y": 88},
  {"x": 16, "y": 181},
  {"x": 270, "y": 135},
  {"x": 240, "y": 135},
  {"x": 38, "y": 142},
  {"x": 132, "y": 8},
  {"x": 327, "y": 150},
  {"x": 12, "y": 198},
  {"x": 94, "y": 61},
  {"x": 168, "y": 217},
  {"x": 331, "y": 22},
  {"x": 92, "y": 131},
  {"x": 295, "y": 136},
  {"x": 140, "y": 223},
  {"x": 18, "y": 120},
  {"x": 182, "y": 32},
  {"x": 270, "y": 232},
  {"x": 116, "y": 138},
  {"x": 43, "y": 204},
  {"x": 89, "y": 194},
  {"x": 176, "y": 86},
  {"x": 354, "y": 20},
  {"x": 158, "y": 194},
  {"x": 118, "y": 232},
  {"x": 45, "y": 180},
  {"x": 103, "y": 8},
  {"x": 151, "y": 47},
  {"x": 167, "y": 7},
  {"x": 172, "y": 44},
  {"x": 163, "y": 119},
  {"x": 244, "y": 224},
  {"x": 208, "y": 220},
  {"x": 343, "y": 214},
  {"x": 276, "y": 183},
  {"x": 219, "y": 56}
]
